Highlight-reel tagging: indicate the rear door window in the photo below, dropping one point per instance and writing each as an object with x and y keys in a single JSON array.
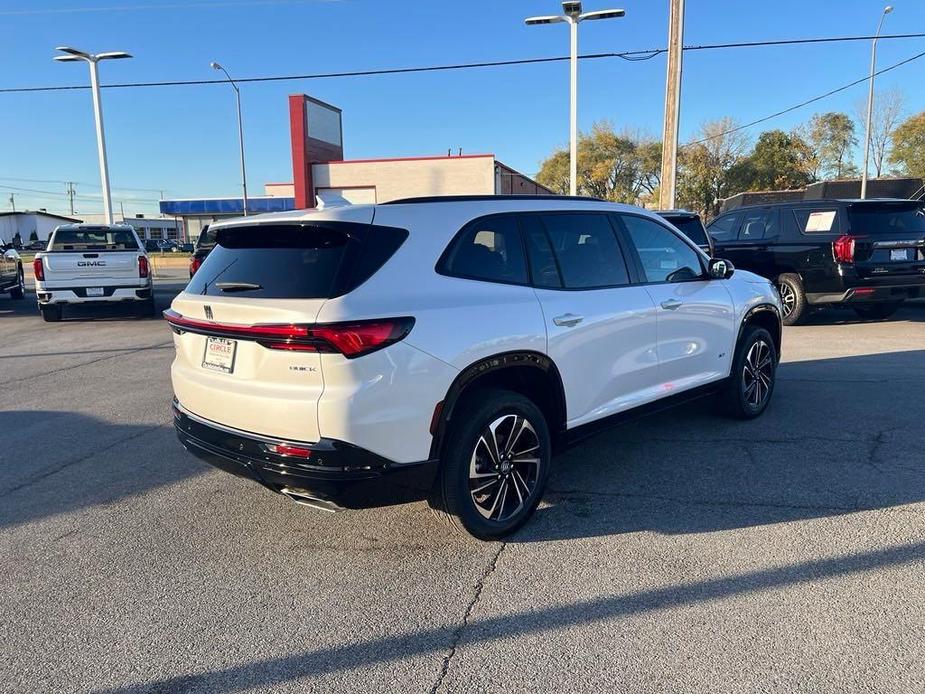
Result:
[
  {"x": 488, "y": 249},
  {"x": 758, "y": 225},
  {"x": 294, "y": 261},
  {"x": 724, "y": 228},
  {"x": 586, "y": 250}
]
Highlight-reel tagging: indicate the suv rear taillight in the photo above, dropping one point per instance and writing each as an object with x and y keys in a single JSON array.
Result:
[
  {"x": 353, "y": 339},
  {"x": 38, "y": 269},
  {"x": 194, "y": 264},
  {"x": 843, "y": 248},
  {"x": 143, "y": 268}
]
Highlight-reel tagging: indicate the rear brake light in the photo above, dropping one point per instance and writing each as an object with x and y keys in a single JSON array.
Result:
[
  {"x": 143, "y": 268},
  {"x": 286, "y": 449},
  {"x": 843, "y": 249},
  {"x": 194, "y": 264},
  {"x": 38, "y": 269},
  {"x": 352, "y": 339}
]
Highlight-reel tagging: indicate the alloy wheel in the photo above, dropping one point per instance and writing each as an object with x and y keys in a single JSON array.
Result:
[
  {"x": 788, "y": 298},
  {"x": 504, "y": 467},
  {"x": 758, "y": 373}
]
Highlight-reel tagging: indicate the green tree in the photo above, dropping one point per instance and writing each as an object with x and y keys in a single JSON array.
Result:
[
  {"x": 831, "y": 138},
  {"x": 779, "y": 161},
  {"x": 908, "y": 150},
  {"x": 704, "y": 166},
  {"x": 615, "y": 166}
]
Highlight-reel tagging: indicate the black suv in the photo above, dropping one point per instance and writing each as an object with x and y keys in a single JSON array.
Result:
[
  {"x": 869, "y": 254},
  {"x": 689, "y": 224}
]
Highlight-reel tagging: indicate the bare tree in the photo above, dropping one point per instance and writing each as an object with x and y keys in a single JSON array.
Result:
[{"x": 889, "y": 106}]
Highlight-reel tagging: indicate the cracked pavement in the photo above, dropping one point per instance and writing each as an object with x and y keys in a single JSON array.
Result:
[{"x": 682, "y": 552}]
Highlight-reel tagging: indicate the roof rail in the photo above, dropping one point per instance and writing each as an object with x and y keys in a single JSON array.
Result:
[{"x": 482, "y": 198}]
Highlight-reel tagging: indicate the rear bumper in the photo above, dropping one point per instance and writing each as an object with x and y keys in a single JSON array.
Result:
[
  {"x": 871, "y": 292},
  {"x": 336, "y": 475},
  {"x": 78, "y": 295}
]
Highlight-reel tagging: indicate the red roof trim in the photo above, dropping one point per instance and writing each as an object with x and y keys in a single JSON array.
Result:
[{"x": 376, "y": 161}]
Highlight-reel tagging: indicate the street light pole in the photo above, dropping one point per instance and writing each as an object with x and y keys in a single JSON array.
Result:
[
  {"x": 573, "y": 16},
  {"x": 237, "y": 93},
  {"x": 870, "y": 99},
  {"x": 92, "y": 60}
]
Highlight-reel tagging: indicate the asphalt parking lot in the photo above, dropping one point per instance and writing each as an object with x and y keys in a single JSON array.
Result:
[{"x": 683, "y": 552}]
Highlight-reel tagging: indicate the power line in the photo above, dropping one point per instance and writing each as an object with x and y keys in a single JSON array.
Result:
[
  {"x": 807, "y": 102},
  {"x": 636, "y": 55},
  {"x": 153, "y": 6}
]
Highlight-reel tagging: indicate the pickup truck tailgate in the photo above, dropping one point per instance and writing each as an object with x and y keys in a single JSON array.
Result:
[{"x": 101, "y": 267}]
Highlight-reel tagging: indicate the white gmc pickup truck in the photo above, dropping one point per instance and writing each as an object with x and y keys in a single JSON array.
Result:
[{"x": 89, "y": 263}]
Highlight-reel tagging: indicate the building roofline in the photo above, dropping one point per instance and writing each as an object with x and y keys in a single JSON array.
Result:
[
  {"x": 44, "y": 214},
  {"x": 391, "y": 159}
]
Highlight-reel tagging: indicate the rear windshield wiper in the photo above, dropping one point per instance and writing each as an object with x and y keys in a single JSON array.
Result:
[{"x": 238, "y": 286}]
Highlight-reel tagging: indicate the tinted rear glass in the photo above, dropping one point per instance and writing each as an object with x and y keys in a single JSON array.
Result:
[
  {"x": 692, "y": 228},
  {"x": 93, "y": 240},
  {"x": 206, "y": 239},
  {"x": 294, "y": 261},
  {"x": 886, "y": 219}
]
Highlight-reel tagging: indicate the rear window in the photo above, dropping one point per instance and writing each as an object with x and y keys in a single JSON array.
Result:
[
  {"x": 886, "y": 219},
  {"x": 93, "y": 240},
  {"x": 294, "y": 261},
  {"x": 692, "y": 228}
]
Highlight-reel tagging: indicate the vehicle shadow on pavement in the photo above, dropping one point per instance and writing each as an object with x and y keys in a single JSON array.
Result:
[
  {"x": 840, "y": 436},
  {"x": 55, "y": 463},
  {"x": 271, "y": 672},
  {"x": 913, "y": 311}
]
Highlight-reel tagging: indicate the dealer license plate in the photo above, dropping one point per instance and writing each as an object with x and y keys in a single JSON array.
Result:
[
  {"x": 219, "y": 354},
  {"x": 899, "y": 254},
  {"x": 94, "y": 291}
]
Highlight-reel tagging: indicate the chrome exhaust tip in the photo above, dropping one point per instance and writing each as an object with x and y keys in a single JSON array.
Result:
[{"x": 304, "y": 499}]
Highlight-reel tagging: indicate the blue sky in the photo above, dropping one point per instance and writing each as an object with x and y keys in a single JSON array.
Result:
[{"x": 182, "y": 140}]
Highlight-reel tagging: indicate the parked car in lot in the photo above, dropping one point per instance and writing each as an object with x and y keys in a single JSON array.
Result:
[
  {"x": 204, "y": 245},
  {"x": 35, "y": 246},
  {"x": 690, "y": 224},
  {"x": 866, "y": 254},
  {"x": 185, "y": 248},
  {"x": 357, "y": 356},
  {"x": 92, "y": 264},
  {"x": 152, "y": 246},
  {"x": 167, "y": 246},
  {"x": 12, "y": 279}
]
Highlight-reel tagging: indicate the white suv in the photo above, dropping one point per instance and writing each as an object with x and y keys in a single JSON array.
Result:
[{"x": 445, "y": 347}]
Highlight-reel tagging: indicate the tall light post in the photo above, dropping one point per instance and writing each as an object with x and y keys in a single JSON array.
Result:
[
  {"x": 870, "y": 99},
  {"x": 573, "y": 16},
  {"x": 237, "y": 93},
  {"x": 92, "y": 59}
]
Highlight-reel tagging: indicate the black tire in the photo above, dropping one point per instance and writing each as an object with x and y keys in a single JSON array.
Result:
[
  {"x": 50, "y": 313},
  {"x": 147, "y": 307},
  {"x": 19, "y": 291},
  {"x": 457, "y": 494},
  {"x": 792, "y": 298},
  {"x": 751, "y": 381},
  {"x": 876, "y": 311}
]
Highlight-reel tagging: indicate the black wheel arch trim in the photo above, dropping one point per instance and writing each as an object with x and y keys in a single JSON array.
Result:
[
  {"x": 493, "y": 364},
  {"x": 763, "y": 309}
]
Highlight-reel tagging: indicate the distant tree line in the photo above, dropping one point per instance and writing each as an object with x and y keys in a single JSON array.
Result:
[{"x": 722, "y": 160}]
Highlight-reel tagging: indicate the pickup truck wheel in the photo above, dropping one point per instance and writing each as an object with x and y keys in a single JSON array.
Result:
[
  {"x": 754, "y": 372},
  {"x": 876, "y": 311},
  {"x": 792, "y": 299},
  {"x": 19, "y": 291},
  {"x": 50, "y": 313},
  {"x": 495, "y": 466}
]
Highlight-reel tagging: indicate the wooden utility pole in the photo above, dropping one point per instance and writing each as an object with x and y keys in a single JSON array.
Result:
[{"x": 666, "y": 198}]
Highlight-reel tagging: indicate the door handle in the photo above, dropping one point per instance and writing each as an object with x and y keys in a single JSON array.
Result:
[
  {"x": 567, "y": 320},
  {"x": 671, "y": 304}
]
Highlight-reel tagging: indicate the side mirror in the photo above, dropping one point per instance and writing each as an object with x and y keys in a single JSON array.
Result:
[{"x": 720, "y": 269}]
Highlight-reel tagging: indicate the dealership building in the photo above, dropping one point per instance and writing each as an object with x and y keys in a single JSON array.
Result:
[{"x": 322, "y": 176}]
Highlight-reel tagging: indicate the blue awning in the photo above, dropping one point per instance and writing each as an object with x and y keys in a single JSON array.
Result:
[{"x": 225, "y": 206}]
